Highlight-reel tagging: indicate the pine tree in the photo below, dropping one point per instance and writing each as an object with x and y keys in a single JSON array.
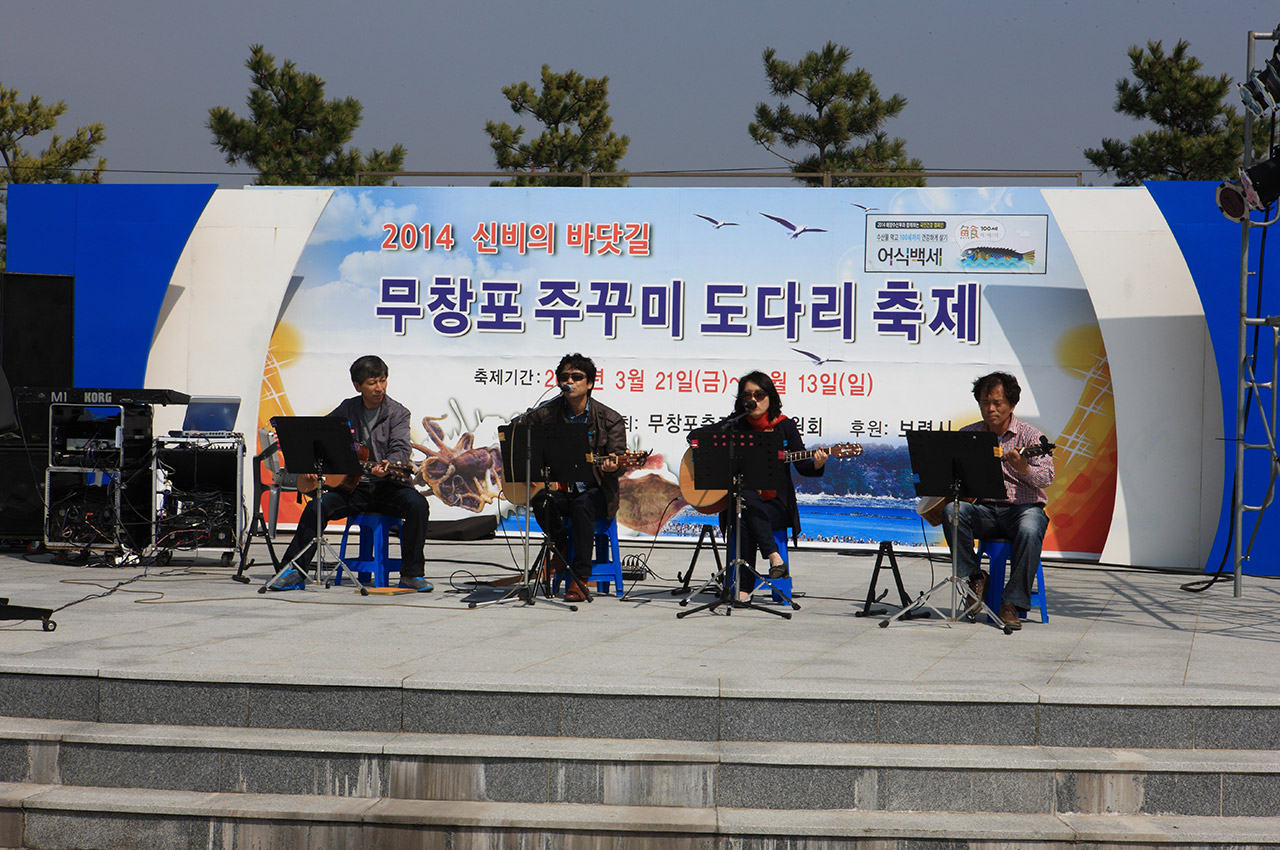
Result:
[
  {"x": 57, "y": 163},
  {"x": 294, "y": 137},
  {"x": 578, "y": 137},
  {"x": 1198, "y": 137},
  {"x": 844, "y": 128}
]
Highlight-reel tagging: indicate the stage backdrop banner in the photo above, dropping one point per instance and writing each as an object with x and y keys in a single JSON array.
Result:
[{"x": 872, "y": 309}]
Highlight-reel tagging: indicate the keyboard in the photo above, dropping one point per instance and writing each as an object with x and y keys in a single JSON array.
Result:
[{"x": 81, "y": 395}]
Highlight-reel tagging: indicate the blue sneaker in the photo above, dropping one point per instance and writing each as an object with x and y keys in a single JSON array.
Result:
[
  {"x": 290, "y": 579},
  {"x": 417, "y": 583}
]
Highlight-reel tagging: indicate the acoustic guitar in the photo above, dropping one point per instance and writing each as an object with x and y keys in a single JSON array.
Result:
[
  {"x": 516, "y": 493},
  {"x": 930, "y": 507},
  {"x": 347, "y": 484},
  {"x": 713, "y": 501}
]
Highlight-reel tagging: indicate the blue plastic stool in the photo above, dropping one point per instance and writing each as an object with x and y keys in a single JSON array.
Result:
[
  {"x": 998, "y": 552},
  {"x": 606, "y": 566},
  {"x": 373, "y": 564},
  {"x": 780, "y": 588}
]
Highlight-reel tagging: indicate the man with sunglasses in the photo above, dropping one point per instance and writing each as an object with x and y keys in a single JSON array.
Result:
[{"x": 581, "y": 503}]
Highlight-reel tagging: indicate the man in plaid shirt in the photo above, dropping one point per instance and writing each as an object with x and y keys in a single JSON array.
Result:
[{"x": 1020, "y": 516}]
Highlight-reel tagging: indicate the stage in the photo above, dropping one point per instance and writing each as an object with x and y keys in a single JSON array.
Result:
[
  {"x": 196, "y": 709},
  {"x": 1113, "y": 633}
]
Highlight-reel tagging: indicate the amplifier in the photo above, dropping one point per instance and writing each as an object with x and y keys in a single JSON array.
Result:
[
  {"x": 98, "y": 436},
  {"x": 85, "y": 510},
  {"x": 199, "y": 492}
]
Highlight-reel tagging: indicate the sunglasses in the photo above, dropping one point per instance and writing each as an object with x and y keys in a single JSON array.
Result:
[
  {"x": 758, "y": 395},
  {"x": 573, "y": 376}
]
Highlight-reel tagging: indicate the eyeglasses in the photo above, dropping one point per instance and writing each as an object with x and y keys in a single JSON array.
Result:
[
  {"x": 758, "y": 395},
  {"x": 572, "y": 376}
]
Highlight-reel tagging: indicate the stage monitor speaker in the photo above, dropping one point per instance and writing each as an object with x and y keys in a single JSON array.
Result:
[
  {"x": 37, "y": 342},
  {"x": 37, "y": 329},
  {"x": 22, "y": 493}
]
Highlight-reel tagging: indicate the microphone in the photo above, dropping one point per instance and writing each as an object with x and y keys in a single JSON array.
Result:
[
  {"x": 566, "y": 388},
  {"x": 749, "y": 404}
]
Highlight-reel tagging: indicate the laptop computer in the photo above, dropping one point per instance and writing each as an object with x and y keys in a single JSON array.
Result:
[{"x": 210, "y": 415}]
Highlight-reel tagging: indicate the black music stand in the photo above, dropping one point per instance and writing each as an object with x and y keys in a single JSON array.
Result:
[
  {"x": 736, "y": 461},
  {"x": 958, "y": 465},
  {"x": 556, "y": 452},
  {"x": 320, "y": 446}
]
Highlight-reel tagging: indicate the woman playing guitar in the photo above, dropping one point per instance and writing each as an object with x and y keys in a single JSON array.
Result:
[{"x": 767, "y": 511}]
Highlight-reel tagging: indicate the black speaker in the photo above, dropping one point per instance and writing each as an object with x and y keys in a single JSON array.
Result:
[
  {"x": 37, "y": 329},
  {"x": 22, "y": 492},
  {"x": 37, "y": 343},
  {"x": 8, "y": 419}
]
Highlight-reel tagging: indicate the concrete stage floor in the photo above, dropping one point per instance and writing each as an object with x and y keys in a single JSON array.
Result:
[{"x": 1114, "y": 635}]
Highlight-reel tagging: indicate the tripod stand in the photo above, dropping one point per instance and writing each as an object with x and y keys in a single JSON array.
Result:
[
  {"x": 322, "y": 446},
  {"x": 706, "y": 537},
  {"x": 959, "y": 465},
  {"x": 738, "y": 460}
]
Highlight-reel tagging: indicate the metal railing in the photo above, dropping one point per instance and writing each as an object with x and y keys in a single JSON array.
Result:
[{"x": 825, "y": 176}]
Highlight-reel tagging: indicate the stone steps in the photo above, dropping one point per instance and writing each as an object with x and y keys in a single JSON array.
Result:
[
  {"x": 906, "y": 715},
  {"x": 91, "y": 759},
  {"x": 69, "y": 818},
  {"x": 642, "y": 773}
]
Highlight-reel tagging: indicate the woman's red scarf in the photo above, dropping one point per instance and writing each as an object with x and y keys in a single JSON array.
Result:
[{"x": 761, "y": 423}]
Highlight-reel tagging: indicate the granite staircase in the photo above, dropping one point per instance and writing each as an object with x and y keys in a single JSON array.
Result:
[{"x": 97, "y": 761}]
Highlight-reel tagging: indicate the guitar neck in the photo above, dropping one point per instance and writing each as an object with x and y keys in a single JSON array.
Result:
[
  {"x": 624, "y": 459},
  {"x": 397, "y": 470},
  {"x": 792, "y": 457}
]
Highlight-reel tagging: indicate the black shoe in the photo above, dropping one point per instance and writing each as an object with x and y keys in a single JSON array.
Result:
[
  {"x": 417, "y": 583},
  {"x": 779, "y": 571}
]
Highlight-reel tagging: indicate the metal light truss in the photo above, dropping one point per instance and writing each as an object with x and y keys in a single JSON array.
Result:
[{"x": 1263, "y": 392}]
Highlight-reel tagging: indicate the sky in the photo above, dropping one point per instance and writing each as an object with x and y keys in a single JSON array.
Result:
[{"x": 990, "y": 84}]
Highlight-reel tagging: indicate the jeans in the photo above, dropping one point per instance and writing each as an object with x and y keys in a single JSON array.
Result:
[
  {"x": 1023, "y": 525},
  {"x": 383, "y": 497},
  {"x": 760, "y": 519},
  {"x": 552, "y": 507}
]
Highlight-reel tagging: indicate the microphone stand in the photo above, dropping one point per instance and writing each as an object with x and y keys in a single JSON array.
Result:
[
  {"x": 524, "y": 590},
  {"x": 732, "y": 582},
  {"x": 719, "y": 577},
  {"x": 723, "y": 424}
]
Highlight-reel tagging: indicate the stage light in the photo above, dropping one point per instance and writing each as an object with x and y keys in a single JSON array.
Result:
[
  {"x": 1258, "y": 188},
  {"x": 1255, "y": 97},
  {"x": 1262, "y": 90},
  {"x": 1231, "y": 202}
]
